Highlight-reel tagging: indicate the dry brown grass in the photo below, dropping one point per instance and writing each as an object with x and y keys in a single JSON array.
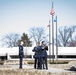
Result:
[
  {"x": 22, "y": 72},
  {"x": 31, "y": 72},
  {"x": 6, "y": 70}
]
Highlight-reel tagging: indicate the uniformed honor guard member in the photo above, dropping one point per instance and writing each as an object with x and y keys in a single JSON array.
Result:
[
  {"x": 36, "y": 56},
  {"x": 21, "y": 54},
  {"x": 44, "y": 49}
]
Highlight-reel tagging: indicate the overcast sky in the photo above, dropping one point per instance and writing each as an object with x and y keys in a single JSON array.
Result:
[{"x": 20, "y": 15}]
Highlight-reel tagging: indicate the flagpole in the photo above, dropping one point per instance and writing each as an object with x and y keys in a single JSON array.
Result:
[
  {"x": 52, "y": 13},
  {"x": 56, "y": 40},
  {"x": 49, "y": 41},
  {"x": 52, "y": 39}
]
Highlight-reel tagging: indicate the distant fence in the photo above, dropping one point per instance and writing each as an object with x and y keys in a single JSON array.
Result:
[
  {"x": 32, "y": 57},
  {"x": 73, "y": 57}
]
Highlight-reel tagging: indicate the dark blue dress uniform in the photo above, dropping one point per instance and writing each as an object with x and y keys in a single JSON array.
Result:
[
  {"x": 21, "y": 55},
  {"x": 37, "y": 57},
  {"x": 44, "y": 55}
]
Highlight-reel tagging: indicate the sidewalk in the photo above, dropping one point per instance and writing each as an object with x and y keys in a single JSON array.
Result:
[{"x": 56, "y": 70}]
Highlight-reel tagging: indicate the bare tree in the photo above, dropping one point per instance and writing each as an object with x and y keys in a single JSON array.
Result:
[
  {"x": 10, "y": 40},
  {"x": 72, "y": 43},
  {"x": 65, "y": 35},
  {"x": 38, "y": 34}
]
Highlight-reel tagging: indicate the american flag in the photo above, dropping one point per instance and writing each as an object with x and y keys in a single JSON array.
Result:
[
  {"x": 52, "y": 10},
  {"x": 48, "y": 24}
]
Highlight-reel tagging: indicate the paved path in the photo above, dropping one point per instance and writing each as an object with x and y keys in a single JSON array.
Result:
[{"x": 56, "y": 70}]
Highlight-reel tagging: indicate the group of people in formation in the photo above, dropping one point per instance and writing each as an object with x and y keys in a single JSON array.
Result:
[{"x": 40, "y": 56}]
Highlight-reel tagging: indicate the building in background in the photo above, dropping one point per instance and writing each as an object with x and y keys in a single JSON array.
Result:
[{"x": 64, "y": 53}]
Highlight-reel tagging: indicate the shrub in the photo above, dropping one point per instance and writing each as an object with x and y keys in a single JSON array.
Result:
[
  {"x": 1, "y": 62},
  {"x": 59, "y": 62},
  {"x": 30, "y": 62}
]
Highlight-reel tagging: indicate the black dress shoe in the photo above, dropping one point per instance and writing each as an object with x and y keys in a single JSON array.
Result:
[
  {"x": 46, "y": 68},
  {"x": 20, "y": 68}
]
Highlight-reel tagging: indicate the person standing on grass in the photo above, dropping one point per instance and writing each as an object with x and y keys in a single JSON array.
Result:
[
  {"x": 36, "y": 49},
  {"x": 44, "y": 49},
  {"x": 21, "y": 54}
]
